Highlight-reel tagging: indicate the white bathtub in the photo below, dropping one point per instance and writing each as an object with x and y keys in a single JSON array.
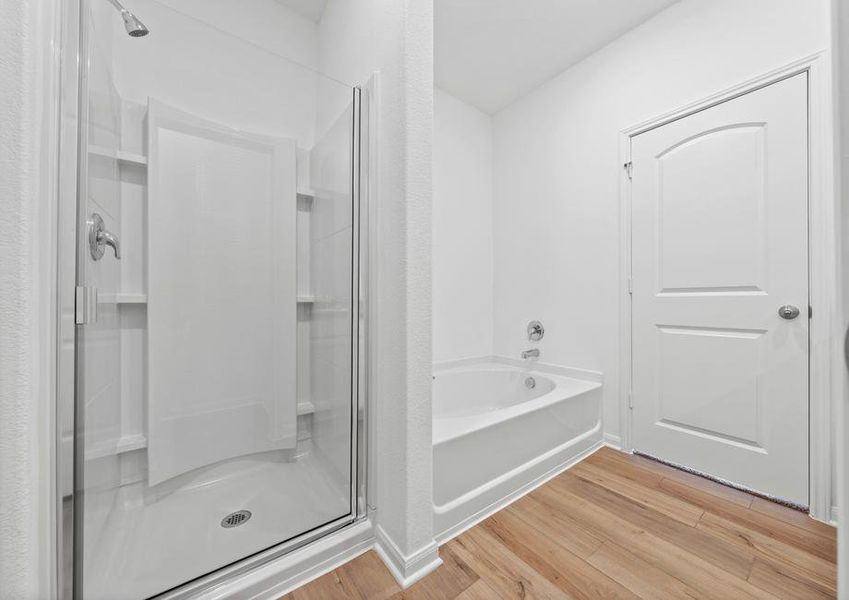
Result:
[{"x": 495, "y": 438}]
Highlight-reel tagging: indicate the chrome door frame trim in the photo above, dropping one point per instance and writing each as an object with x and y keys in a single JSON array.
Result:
[{"x": 71, "y": 91}]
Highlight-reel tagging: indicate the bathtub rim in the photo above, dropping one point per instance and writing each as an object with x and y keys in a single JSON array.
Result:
[
  {"x": 452, "y": 428},
  {"x": 535, "y": 365}
]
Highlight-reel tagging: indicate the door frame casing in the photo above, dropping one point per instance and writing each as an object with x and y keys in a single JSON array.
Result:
[{"x": 824, "y": 340}]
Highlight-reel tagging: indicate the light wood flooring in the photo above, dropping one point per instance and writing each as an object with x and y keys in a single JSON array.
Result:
[{"x": 618, "y": 526}]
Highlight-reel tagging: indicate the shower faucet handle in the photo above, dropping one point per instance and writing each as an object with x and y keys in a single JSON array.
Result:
[
  {"x": 535, "y": 331},
  {"x": 99, "y": 237}
]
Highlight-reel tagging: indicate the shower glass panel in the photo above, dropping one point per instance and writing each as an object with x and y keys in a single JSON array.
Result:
[{"x": 216, "y": 226}]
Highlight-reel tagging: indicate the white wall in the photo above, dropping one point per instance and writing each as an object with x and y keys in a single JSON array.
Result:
[
  {"x": 266, "y": 23},
  {"x": 462, "y": 230},
  {"x": 226, "y": 64},
  {"x": 557, "y": 165},
  {"x": 395, "y": 37},
  {"x": 27, "y": 247}
]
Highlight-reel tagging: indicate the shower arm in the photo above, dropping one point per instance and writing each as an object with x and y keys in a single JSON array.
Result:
[{"x": 119, "y": 6}]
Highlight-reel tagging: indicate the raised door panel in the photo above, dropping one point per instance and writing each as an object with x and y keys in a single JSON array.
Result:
[
  {"x": 719, "y": 242},
  {"x": 711, "y": 212}
]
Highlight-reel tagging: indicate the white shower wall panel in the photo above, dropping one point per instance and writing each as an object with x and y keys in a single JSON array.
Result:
[
  {"x": 222, "y": 283},
  {"x": 274, "y": 95},
  {"x": 331, "y": 261}
]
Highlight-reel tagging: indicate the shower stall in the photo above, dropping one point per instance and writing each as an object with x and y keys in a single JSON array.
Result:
[{"x": 211, "y": 395}]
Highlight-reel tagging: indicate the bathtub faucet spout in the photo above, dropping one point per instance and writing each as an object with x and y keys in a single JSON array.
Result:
[{"x": 532, "y": 353}]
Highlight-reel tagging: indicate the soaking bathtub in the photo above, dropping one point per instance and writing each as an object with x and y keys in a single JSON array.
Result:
[{"x": 500, "y": 428}]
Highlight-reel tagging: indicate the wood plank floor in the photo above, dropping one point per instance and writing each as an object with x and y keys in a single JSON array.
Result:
[{"x": 618, "y": 526}]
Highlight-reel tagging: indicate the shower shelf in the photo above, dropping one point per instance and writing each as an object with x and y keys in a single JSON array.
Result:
[
  {"x": 124, "y": 298},
  {"x": 127, "y": 443},
  {"x": 305, "y": 200},
  {"x": 121, "y": 156},
  {"x": 142, "y": 299},
  {"x": 138, "y": 441}
]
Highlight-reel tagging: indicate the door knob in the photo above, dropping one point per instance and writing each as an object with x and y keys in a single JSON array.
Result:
[
  {"x": 99, "y": 237},
  {"x": 788, "y": 311}
]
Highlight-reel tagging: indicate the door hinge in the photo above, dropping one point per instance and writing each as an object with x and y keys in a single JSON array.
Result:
[
  {"x": 629, "y": 169},
  {"x": 630, "y": 400},
  {"x": 630, "y": 286},
  {"x": 85, "y": 306},
  {"x": 810, "y": 311}
]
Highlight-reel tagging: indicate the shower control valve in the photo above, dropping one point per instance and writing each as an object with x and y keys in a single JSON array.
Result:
[{"x": 535, "y": 331}]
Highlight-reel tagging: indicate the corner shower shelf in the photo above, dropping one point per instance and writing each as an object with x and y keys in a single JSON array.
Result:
[
  {"x": 305, "y": 407},
  {"x": 124, "y": 298},
  {"x": 142, "y": 299},
  {"x": 138, "y": 441},
  {"x": 123, "y": 157},
  {"x": 305, "y": 200},
  {"x": 127, "y": 443}
]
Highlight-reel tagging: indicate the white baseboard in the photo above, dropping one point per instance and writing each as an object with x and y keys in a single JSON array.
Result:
[
  {"x": 613, "y": 441},
  {"x": 279, "y": 577},
  {"x": 406, "y": 569}
]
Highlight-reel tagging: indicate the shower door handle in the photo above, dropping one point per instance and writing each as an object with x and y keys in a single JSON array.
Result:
[{"x": 98, "y": 237}]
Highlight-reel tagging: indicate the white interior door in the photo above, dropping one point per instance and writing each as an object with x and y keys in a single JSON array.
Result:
[
  {"x": 221, "y": 293},
  {"x": 719, "y": 243}
]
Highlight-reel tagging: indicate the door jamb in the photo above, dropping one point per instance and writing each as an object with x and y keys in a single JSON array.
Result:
[{"x": 823, "y": 228}]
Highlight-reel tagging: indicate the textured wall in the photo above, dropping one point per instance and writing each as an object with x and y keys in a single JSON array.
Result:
[
  {"x": 25, "y": 249},
  {"x": 394, "y": 37}
]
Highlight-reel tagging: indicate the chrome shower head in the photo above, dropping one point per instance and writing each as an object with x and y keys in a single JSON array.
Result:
[
  {"x": 131, "y": 22},
  {"x": 133, "y": 25}
]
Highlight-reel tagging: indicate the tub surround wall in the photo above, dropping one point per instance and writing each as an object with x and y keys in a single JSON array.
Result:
[
  {"x": 462, "y": 230},
  {"x": 556, "y": 166}
]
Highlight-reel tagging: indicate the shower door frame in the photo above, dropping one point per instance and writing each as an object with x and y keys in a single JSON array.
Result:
[{"x": 72, "y": 97}]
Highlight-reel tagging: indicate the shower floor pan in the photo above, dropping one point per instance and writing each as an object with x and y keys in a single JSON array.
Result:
[{"x": 150, "y": 545}]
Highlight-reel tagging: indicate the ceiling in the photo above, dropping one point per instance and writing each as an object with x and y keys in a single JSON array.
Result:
[
  {"x": 311, "y": 9},
  {"x": 491, "y": 52}
]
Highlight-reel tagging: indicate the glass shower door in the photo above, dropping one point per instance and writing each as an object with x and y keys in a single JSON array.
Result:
[{"x": 216, "y": 306}]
